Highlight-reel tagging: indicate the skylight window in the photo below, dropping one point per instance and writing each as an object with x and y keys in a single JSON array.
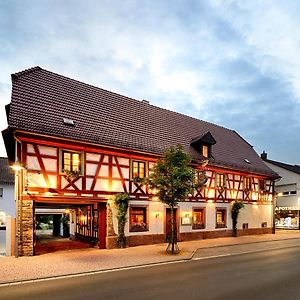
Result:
[
  {"x": 68, "y": 121},
  {"x": 247, "y": 161}
]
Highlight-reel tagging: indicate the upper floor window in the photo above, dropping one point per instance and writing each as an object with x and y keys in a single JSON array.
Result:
[
  {"x": 262, "y": 185},
  {"x": 71, "y": 161},
  {"x": 220, "y": 180},
  {"x": 138, "y": 169},
  {"x": 247, "y": 183},
  {"x": 205, "y": 150}
]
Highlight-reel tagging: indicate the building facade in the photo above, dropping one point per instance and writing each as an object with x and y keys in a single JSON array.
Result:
[
  {"x": 7, "y": 200},
  {"x": 79, "y": 145},
  {"x": 287, "y": 190}
]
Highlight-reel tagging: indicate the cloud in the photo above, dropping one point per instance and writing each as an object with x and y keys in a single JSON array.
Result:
[{"x": 234, "y": 63}]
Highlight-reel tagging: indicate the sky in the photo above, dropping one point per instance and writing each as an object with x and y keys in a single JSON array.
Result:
[{"x": 232, "y": 63}]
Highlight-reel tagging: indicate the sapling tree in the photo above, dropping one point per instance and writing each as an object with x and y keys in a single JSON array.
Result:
[
  {"x": 235, "y": 210},
  {"x": 174, "y": 179},
  {"x": 122, "y": 200}
]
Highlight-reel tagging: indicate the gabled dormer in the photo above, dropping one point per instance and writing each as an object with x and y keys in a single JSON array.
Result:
[{"x": 203, "y": 144}]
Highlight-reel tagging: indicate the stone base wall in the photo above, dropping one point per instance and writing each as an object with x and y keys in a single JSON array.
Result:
[
  {"x": 137, "y": 240},
  {"x": 25, "y": 228}
]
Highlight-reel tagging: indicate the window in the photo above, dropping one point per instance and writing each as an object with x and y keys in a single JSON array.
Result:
[
  {"x": 262, "y": 185},
  {"x": 138, "y": 169},
  {"x": 205, "y": 150},
  {"x": 220, "y": 217},
  {"x": 1, "y": 192},
  {"x": 138, "y": 220},
  {"x": 200, "y": 178},
  {"x": 220, "y": 180},
  {"x": 71, "y": 161},
  {"x": 2, "y": 218},
  {"x": 247, "y": 183},
  {"x": 198, "y": 218}
]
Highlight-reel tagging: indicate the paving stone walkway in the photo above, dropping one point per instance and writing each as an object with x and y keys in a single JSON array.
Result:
[{"x": 69, "y": 262}]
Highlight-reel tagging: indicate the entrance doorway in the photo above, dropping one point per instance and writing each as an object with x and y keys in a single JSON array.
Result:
[
  {"x": 69, "y": 226},
  {"x": 168, "y": 233}
]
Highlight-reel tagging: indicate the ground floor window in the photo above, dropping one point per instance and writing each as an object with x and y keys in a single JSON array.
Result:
[
  {"x": 286, "y": 218},
  {"x": 138, "y": 220},
  {"x": 2, "y": 218},
  {"x": 220, "y": 217},
  {"x": 198, "y": 218}
]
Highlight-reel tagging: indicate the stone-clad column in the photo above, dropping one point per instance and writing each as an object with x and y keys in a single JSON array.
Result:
[{"x": 26, "y": 228}]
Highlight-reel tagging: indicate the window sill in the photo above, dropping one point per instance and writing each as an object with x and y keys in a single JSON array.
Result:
[
  {"x": 138, "y": 230},
  {"x": 198, "y": 227},
  {"x": 221, "y": 226}
]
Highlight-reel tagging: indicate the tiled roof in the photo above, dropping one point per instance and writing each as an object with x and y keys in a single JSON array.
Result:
[
  {"x": 41, "y": 99},
  {"x": 6, "y": 175},
  {"x": 292, "y": 168}
]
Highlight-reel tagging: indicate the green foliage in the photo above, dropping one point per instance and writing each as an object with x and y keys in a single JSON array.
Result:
[
  {"x": 235, "y": 210},
  {"x": 122, "y": 200},
  {"x": 173, "y": 176},
  {"x": 174, "y": 179}
]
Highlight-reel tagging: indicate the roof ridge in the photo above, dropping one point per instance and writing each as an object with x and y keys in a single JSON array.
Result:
[{"x": 26, "y": 71}]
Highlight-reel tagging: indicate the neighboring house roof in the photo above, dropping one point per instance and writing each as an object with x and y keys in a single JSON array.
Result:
[
  {"x": 292, "y": 168},
  {"x": 6, "y": 175},
  {"x": 41, "y": 99}
]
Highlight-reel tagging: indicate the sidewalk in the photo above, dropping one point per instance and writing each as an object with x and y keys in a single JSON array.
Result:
[{"x": 90, "y": 260}]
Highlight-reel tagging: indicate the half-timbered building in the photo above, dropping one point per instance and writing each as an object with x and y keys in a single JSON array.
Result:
[{"x": 79, "y": 145}]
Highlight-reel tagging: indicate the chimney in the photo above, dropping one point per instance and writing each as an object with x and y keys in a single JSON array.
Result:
[{"x": 264, "y": 155}]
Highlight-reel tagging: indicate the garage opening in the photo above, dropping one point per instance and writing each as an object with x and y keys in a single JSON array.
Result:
[{"x": 60, "y": 227}]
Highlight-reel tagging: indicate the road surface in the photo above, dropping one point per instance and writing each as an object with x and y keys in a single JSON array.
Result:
[{"x": 272, "y": 274}]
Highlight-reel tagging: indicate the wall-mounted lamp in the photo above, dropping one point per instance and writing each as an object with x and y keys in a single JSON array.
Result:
[
  {"x": 157, "y": 215},
  {"x": 17, "y": 166},
  {"x": 210, "y": 201}
]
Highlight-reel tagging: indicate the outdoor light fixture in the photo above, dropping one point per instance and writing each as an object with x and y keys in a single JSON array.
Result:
[
  {"x": 156, "y": 215},
  {"x": 210, "y": 201},
  {"x": 17, "y": 166}
]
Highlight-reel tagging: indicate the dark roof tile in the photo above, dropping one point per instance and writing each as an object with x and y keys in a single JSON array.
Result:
[
  {"x": 6, "y": 174},
  {"x": 41, "y": 99}
]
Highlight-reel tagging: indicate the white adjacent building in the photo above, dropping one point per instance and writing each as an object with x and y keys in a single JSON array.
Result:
[{"x": 287, "y": 189}]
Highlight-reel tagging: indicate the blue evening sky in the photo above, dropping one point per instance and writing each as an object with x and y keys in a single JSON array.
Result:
[{"x": 233, "y": 63}]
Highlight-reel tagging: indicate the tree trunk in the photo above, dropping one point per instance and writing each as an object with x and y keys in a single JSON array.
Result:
[
  {"x": 234, "y": 227},
  {"x": 172, "y": 230}
]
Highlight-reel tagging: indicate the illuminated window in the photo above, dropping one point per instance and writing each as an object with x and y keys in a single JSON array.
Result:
[
  {"x": 2, "y": 218},
  {"x": 205, "y": 150},
  {"x": 220, "y": 180},
  {"x": 220, "y": 217},
  {"x": 71, "y": 161},
  {"x": 247, "y": 183},
  {"x": 198, "y": 218},
  {"x": 138, "y": 220},
  {"x": 138, "y": 169}
]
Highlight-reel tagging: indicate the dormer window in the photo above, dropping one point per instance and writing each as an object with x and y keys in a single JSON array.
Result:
[
  {"x": 205, "y": 150},
  {"x": 203, "y": 144}
]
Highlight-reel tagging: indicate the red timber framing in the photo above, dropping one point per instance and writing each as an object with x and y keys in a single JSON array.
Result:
[{"x": 111, "y": 174}]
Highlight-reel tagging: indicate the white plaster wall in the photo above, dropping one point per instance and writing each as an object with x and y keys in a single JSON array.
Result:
[
  {"x": 255, "y": 215},
  {"x": 7, "y": 202}
]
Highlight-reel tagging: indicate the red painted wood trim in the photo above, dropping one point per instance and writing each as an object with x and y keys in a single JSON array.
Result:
[
  {"x": 97, "y": 172},
  {"x": 121, "y": 175},
  {"x": 43, "y": 170}
]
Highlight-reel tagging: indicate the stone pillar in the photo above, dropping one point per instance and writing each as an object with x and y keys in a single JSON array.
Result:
[
  {"x": 111, "y": 238},
  {"x": 26, "y": 228}
]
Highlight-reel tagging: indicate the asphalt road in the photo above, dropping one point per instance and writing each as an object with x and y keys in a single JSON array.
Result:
[{"x": 273, "y": 274}]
